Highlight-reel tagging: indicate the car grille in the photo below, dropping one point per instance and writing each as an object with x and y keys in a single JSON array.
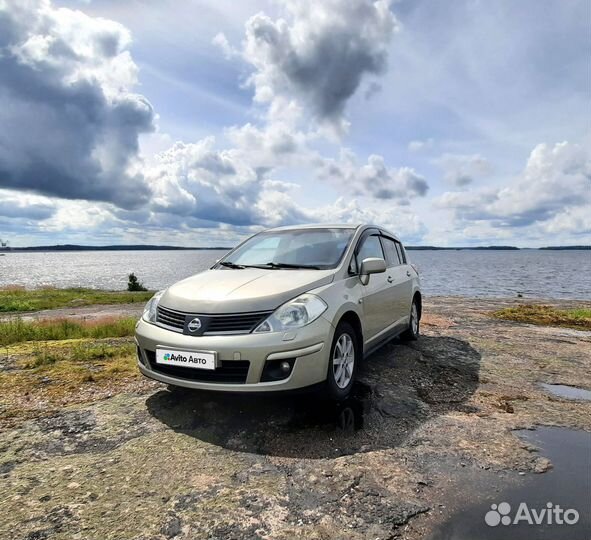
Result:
[
  {"x": 230, "y": 371},
  {"x": 170, "y": 318},
  {"x": 234, "y": 323}
]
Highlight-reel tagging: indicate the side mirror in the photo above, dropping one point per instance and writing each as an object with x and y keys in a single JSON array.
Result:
[{"x": 371, "y": 265}]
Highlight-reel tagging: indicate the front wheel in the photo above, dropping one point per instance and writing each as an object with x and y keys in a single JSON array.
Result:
[
  {"x": 412, "y": 333},
  {"x": 344, "y": 358}
]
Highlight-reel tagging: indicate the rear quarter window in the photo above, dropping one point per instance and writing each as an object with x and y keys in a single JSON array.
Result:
[
  {"x": 401, "y": 253},
  {"x": 392, "y": 254}
]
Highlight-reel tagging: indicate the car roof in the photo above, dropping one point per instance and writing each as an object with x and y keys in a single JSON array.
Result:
[
  {"x": 317, "y": 226},
  {"x": 334, "y": 226}
]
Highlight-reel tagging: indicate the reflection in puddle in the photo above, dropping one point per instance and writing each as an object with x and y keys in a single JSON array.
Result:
[
  {"x": 568, "y": 392},
  {"x": 567, "y": 484},
  {"x": 347, "y": 416},
  {"x": 348, "y": 420}
]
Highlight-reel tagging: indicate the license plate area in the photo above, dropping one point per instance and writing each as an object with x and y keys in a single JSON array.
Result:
[{"x": 207, "y": 360}]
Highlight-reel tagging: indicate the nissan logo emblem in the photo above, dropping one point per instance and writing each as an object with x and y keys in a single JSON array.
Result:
[{"x": 194, "y": 325}]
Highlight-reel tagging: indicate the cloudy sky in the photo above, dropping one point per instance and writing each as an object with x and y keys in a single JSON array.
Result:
[{"x": 200, "y": 122}]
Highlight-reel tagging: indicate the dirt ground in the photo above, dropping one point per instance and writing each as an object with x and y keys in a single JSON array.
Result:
[{"x": 430, "y": 424}]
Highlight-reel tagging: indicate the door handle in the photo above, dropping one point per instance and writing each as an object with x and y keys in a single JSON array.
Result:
[
  {"x": 390, "y": 280},
  {"x": 408, "y": 273}
]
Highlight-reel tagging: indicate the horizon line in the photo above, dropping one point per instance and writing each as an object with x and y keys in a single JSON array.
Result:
[{"x": 163, "y": 247}]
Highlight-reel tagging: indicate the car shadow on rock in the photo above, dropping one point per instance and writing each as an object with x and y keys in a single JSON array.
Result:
[{"x": 398, "y": 388}]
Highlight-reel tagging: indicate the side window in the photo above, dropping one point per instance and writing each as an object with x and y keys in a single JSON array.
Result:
[
  {"x": 392, "y": 255},
  {"x": 401, "y": 253},
  {"x": 371, "y": 247}
]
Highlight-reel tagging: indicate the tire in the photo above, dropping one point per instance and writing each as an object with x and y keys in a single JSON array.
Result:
[
  {"x": 339, "y": 383},
  {"x": 413, "y": 330}
]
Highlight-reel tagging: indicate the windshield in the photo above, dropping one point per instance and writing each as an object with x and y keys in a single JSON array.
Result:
[{"x": 304, "y": 248}]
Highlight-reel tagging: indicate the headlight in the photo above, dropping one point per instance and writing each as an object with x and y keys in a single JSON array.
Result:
[
  {"x": 294, "y": 314},
  {"x": 150, "y": 309}
]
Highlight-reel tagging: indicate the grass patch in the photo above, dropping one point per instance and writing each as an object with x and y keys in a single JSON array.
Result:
[
  {"x": 45, "y": 377},
  {"x": 18, "y": 299},
  {"x": 579, "y": 318},
  {"x": 582, "y": 313},
  {"x": 42, "y": 357},
  {"x": 82, "y": 352},
  {"x": 18, "y": 331},
  {"x": 78, "y": 352}
]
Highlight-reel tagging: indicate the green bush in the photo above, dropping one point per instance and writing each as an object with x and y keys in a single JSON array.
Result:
[{"x": 134, "y": 285}]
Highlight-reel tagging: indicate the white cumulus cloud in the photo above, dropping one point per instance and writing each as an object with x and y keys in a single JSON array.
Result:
[
  {"x": 319, "y": 53},
  {"x": 374, "y": 178},
  {"x": 555, "y": 184}
]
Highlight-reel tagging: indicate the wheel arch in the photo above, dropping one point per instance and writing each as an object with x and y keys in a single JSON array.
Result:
[{"x": 353, "y": 319}]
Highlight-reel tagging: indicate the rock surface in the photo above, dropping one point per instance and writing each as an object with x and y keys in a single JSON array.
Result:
[{"x": 429, "y": 425}]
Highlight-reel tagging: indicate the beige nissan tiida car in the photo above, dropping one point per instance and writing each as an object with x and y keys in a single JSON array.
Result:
[{"x": 289, "y": 308}]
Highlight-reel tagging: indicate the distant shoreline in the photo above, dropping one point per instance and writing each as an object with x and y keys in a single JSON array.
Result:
[{"x": 136, "y": 247}]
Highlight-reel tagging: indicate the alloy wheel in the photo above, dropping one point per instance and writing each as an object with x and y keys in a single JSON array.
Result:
[{"x": 343, "y": 361}]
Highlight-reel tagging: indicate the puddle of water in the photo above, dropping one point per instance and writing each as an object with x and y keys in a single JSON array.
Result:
[
  {"x": 567, "y": 484},
  {"x": 346, "y": 416},
  {"x": 568, "y": 392}
]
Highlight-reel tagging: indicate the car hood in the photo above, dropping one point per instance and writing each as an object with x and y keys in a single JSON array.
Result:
[{"x": 237, "y": 291}]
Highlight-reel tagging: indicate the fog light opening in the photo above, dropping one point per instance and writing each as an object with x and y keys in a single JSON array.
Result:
[{"x": 277, "y": 370}]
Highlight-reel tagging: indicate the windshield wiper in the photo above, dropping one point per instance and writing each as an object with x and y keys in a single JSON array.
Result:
[
  {"x": 288, "y": 266},
  {"x": 229, "y": 264}
]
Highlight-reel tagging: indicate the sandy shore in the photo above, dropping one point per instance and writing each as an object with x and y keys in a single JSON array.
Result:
[{"x": 429, "y": 433}]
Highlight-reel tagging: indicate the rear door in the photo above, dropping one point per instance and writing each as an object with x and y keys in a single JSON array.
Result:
[
  {"x": 377, "y": 303},
  {"x": 398, "y": 278}
]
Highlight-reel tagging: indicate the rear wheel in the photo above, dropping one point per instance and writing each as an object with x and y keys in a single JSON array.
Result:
[
  {"x": 412, "y": 333},
  {"x": 344, "y": 358}
]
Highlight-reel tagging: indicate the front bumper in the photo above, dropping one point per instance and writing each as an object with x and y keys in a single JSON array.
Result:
[{"x": 307, "y": 351}]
